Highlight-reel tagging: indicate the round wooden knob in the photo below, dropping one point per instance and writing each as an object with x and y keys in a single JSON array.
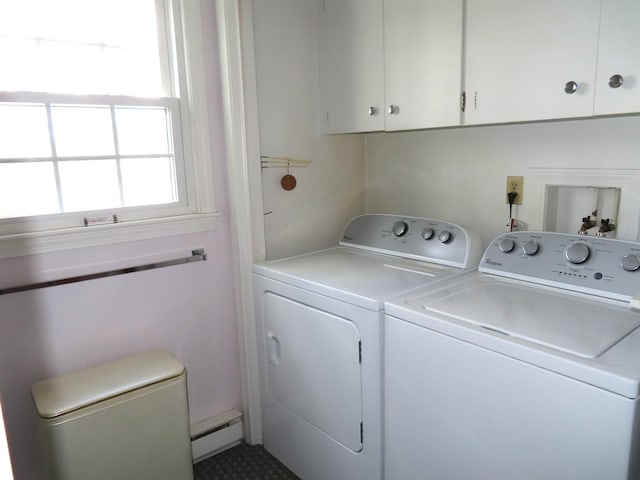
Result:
[{"x": 288, "y": 182}]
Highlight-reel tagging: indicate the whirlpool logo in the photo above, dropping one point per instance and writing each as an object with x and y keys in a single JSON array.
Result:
[{"x": 493, "y": 263}]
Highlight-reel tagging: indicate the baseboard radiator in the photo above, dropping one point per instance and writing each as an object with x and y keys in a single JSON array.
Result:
[{"x": 215, "y": 434}]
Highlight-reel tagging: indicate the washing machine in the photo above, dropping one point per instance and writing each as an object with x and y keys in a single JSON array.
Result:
[
  {"x": 319, "y": 322},
  {"x": 527, "y": 369}
]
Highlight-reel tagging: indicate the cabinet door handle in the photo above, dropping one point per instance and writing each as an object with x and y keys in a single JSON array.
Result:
[
  {"x": 570, "y": 87},
  {"x": 373, "y": 111},
  {"x": 393, "y": 109},
  {"x": 616, "y": 81}
]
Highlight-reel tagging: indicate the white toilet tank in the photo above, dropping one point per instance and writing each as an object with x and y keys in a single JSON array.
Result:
[{"x": 126, "y": 419}]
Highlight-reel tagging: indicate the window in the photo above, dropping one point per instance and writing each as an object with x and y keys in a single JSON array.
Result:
[{"x": 94, "y": 125}]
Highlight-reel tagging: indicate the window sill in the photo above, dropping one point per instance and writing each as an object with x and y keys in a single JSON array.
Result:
[{"x": 81, "y": 237}]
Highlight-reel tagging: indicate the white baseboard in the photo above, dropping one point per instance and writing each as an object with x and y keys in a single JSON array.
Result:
[{"x": 216, "y": 434}]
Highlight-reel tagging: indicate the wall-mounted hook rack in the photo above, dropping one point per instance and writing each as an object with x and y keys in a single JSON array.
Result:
[
  {"x": 288, "y": 182},
  {"x": 267, "y": 161}
]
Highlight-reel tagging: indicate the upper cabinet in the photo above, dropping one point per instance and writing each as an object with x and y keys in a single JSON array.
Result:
[
  {"x": 529, "y": 60},
  {"x": 392, "y": 64},
  {"x": 618, "y": 76},
  {"x": 422, "y": 63},
  {"x": 414, "y": 64},
  {"x": 352, "y": 66}
]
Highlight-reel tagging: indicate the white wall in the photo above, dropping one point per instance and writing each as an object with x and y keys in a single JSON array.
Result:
[
  {"x": 454, "y": 174},
  {"x": 330, "y": 191},
  {"x": 459, "y": 174},
  {"x": 186, "y": 309}
]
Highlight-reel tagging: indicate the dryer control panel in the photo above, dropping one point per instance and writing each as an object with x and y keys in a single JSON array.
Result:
[
  {"x": 596, "y": 265},
  {"x": 417, "y": 238}
]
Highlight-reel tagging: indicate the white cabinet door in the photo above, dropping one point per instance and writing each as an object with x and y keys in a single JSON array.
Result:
[
  {"x": 618, "y": 77},
  {"x": 423, "y": 67},
  {"x": 521, "y": 56},
  {"x": 352, "y": 66}
]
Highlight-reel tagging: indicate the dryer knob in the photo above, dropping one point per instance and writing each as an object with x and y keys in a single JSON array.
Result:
[
  {"x": 444, "y": 236},
  {"x": 530, "y": 248},
  {"x": 577, "y": 253},
  {"x": 506, "y": 245},
  {"x": 400, "y": 228},
  {"x": 427, "y": 233},
  {"x": 630, "y": 262}
]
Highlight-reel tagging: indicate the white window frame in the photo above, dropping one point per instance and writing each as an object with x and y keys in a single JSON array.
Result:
[{"x": 188, "y": 78}]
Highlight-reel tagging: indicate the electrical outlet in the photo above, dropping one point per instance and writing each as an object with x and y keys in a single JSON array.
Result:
[{"x": 514, "y": 184}]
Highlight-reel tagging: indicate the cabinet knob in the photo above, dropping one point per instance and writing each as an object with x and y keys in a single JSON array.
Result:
[
  {"x": 373, "y": 111},
  {"x": 615, "y": 81},
  {"x": 393, "y": 109},
  {"x": 570, "y": 87}
]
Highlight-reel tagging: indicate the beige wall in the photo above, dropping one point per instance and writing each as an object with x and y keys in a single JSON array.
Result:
[
  {"x": 459, "y": 174},
  {"x": 330, "y": 191},
  {"x": 453, "y": 174}
]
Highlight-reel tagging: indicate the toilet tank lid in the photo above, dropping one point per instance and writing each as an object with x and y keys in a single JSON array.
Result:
[{"x": 60, "y": 395}]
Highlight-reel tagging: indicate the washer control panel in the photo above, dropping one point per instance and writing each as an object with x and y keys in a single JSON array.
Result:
[
  {"x": 417, "y": 238},
  {"x": 596, "y": 265}
]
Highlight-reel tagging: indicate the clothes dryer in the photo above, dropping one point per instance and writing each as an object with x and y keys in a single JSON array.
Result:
[
  {"x": 319, "y": 321},
  {"x": 528, "y": 369}
]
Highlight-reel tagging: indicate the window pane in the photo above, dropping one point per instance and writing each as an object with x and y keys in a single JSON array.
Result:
[
  {"x": 20, "y": 64},
  {"x": 146, "y": 181},
  {"x": 73, "y": 39},
  {"x": 24, "y": 131},
  {"x": 137, "y": 29},
  {"x": 132, "y": 72},
  {"x": 27, "y": 189},
  {"x": 73, "y": 68},
  {"x": 82, "y": 131},
  {"x": 17, "y": 18},
  {"x": 89, "y": 185},
  {"x": 142, "y": 131}
]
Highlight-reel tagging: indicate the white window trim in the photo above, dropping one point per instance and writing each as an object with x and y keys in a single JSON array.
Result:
[
  {"x": 197, "y": 148},
  {"x": 235, "y": 35}
]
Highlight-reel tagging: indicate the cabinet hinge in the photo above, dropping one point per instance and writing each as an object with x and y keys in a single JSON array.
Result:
[
  {"x": 361, "y": 433},
  {"x": 463, "y": 101},
  {"x": 360, "y": 352}
]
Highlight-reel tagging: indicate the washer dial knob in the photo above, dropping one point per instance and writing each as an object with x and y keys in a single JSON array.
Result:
[
  {"x": 577, "y": 253},
  {"x": 444, "y": 236},
  {"x": 427, "y": 233},
  {"x": 400, "y": 228},
  {"x": 630, "y": 262},
  {"x": 530, "y": 248},
  {"x": 506, "y": 245}
]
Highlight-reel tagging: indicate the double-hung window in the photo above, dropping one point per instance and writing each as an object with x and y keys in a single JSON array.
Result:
[{"x": 95, "y": 126}]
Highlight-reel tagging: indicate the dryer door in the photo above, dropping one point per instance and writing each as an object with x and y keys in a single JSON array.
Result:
[{"x": 313, "y": 367}]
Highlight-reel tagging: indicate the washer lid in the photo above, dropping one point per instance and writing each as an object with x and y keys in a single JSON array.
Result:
[{"x": 558, "y": 320}]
